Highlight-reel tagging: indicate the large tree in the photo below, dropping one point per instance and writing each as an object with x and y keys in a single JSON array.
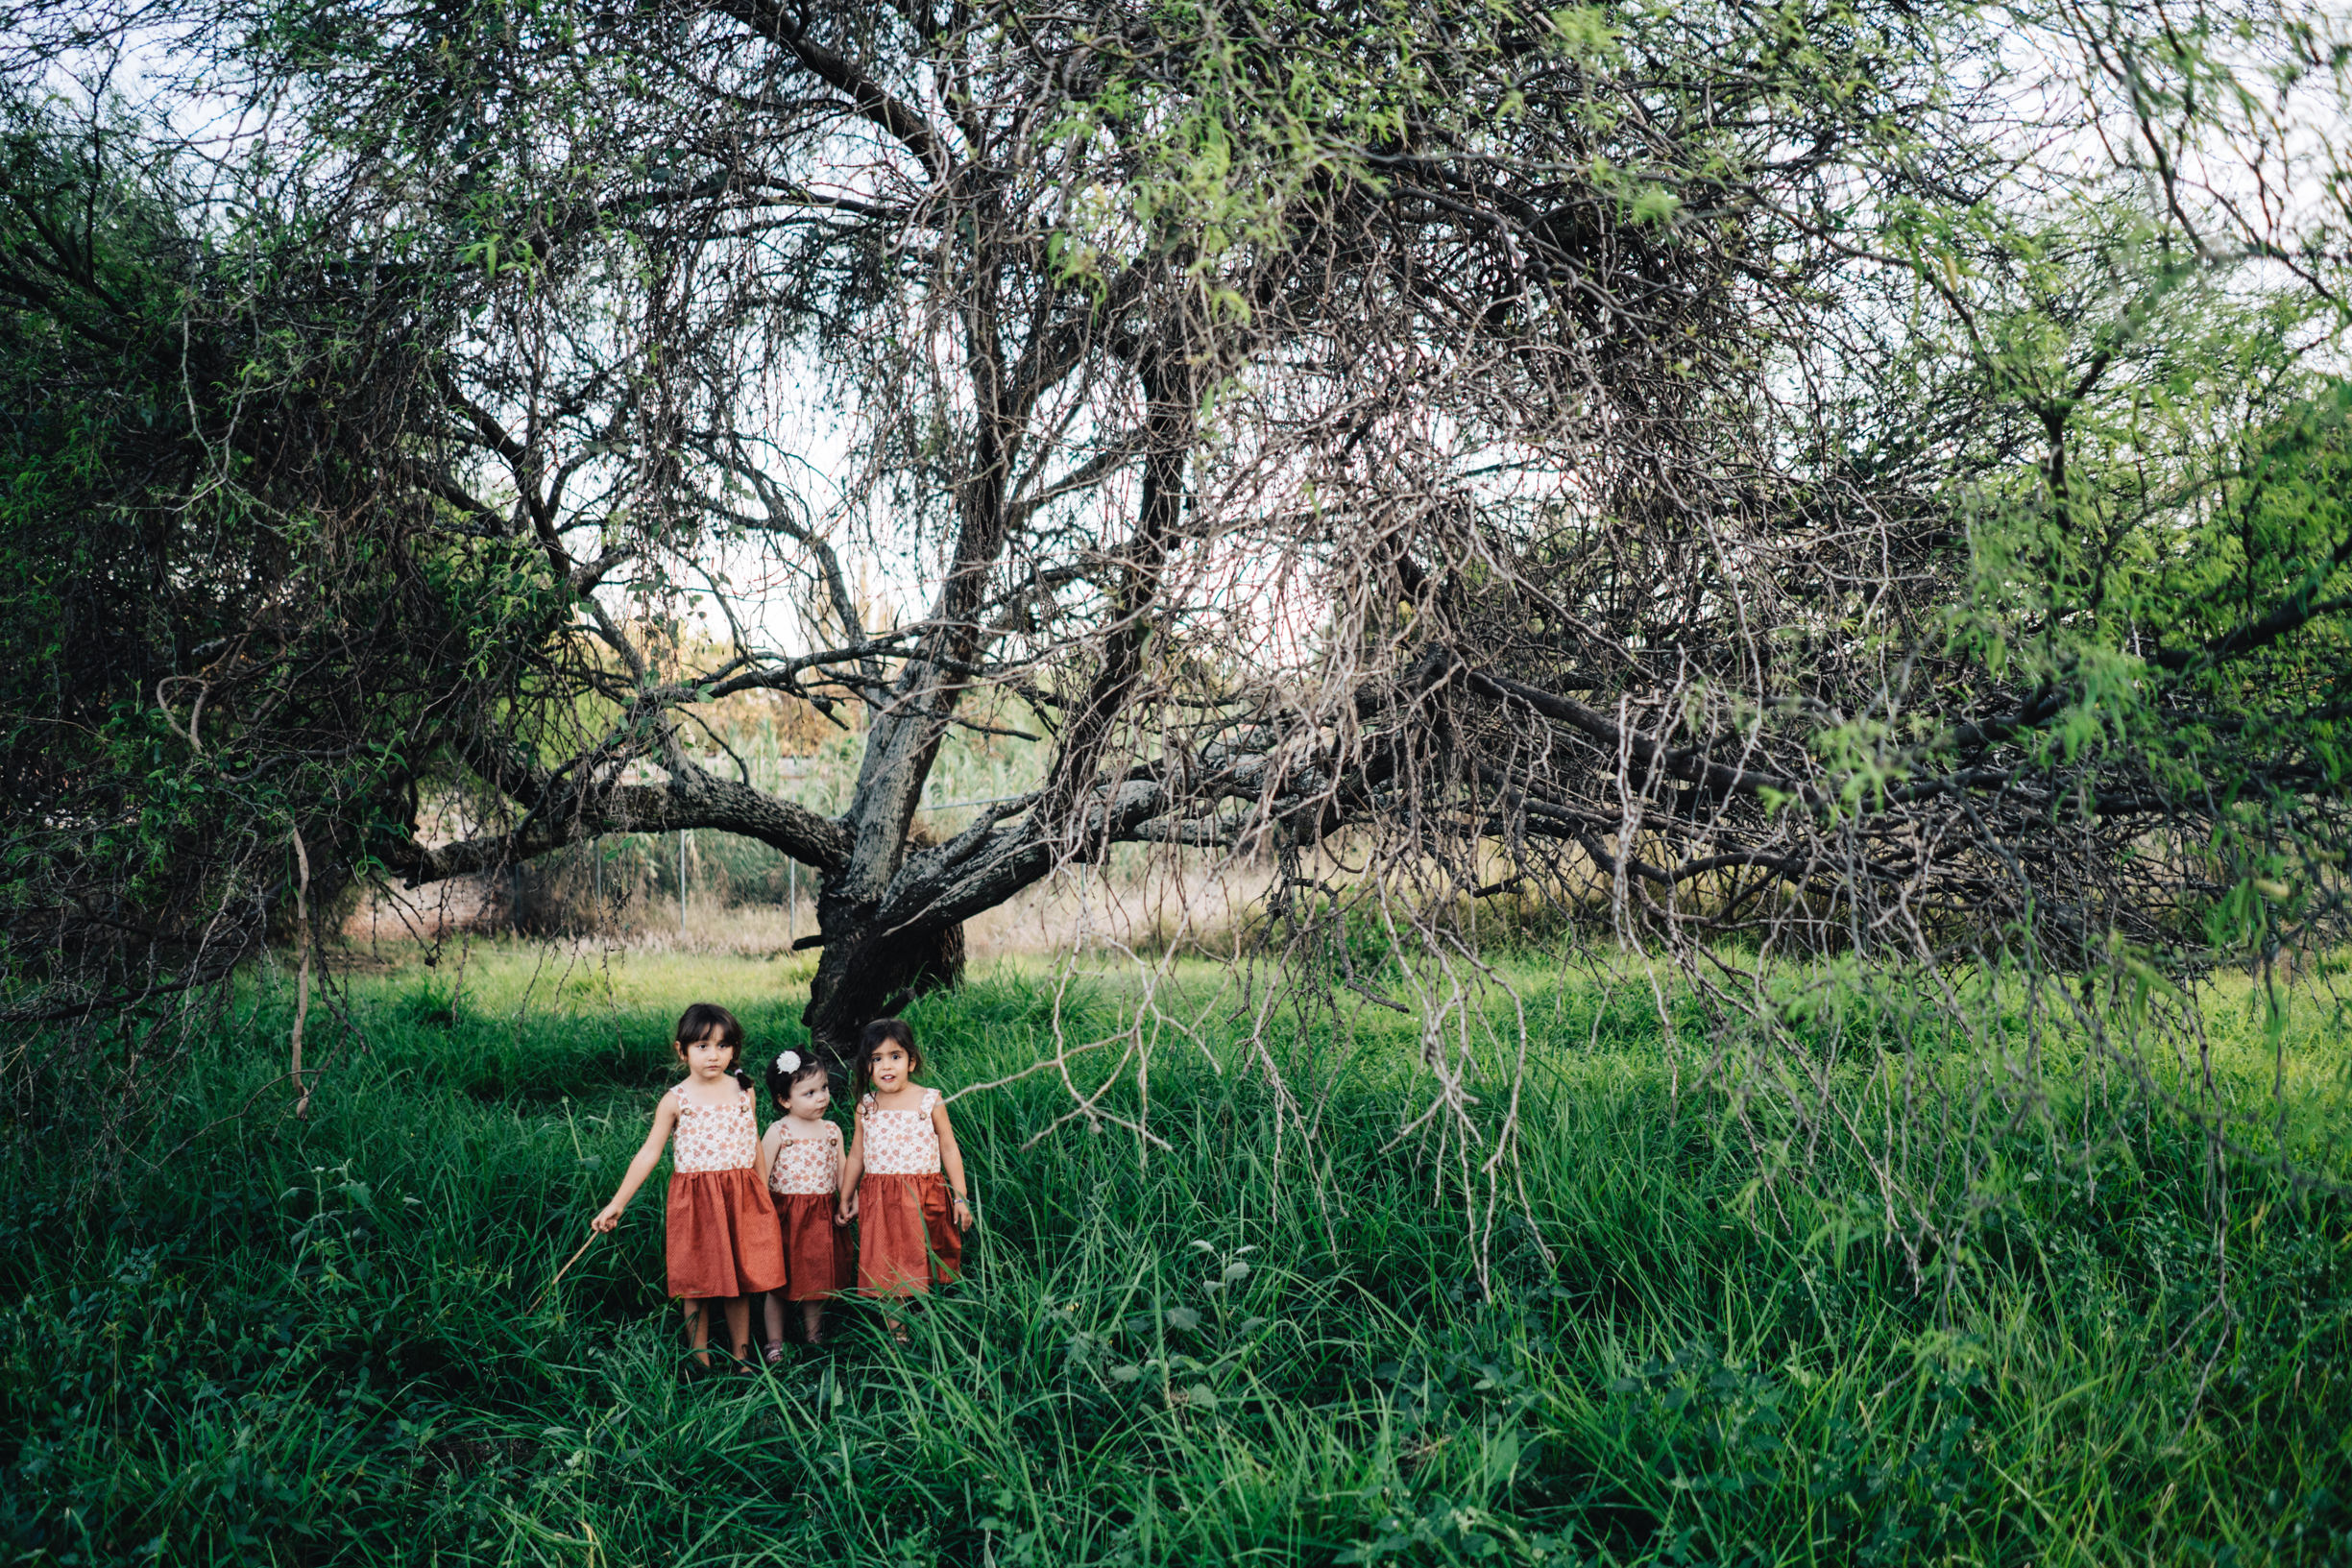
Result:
[
  {"x": 1743, "y": 470},
  {"x": 1160, "y": 335}
]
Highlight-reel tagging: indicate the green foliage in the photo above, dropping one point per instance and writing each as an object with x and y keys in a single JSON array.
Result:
[
  {"x": 2166, "y": 574},
  {"x": 222, "y": 622},
  {"x": 323, "y": 1340}
]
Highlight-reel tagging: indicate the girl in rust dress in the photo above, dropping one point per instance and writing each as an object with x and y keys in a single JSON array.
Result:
[
  {"x": 723, "y": 1243},
  {"x": 904, "y": 1181},
  {"x": 803, "y": 1151}
]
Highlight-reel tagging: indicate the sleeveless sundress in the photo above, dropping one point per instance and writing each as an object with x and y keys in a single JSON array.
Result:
[
  {"x": 906, "y": 1238},
  {"x": 800, "y": 1179},
  {"x": 723, "y": 1239}
]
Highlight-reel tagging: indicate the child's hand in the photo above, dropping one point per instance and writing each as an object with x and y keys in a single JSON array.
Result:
[
  {"x": 846, "y": 1209},
  {"x": 604, "y": 1221},
  {"x": 961, "y": 1209}
]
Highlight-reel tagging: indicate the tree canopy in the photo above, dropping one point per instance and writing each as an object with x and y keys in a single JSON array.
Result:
[{"x": 1813, "y": 481}]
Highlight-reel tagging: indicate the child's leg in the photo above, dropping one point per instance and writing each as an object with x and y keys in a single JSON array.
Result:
[
  {"x": 812, "y": 1321},
  {"x": 698, "y": 1328},
  {"x": 771, "y": 1314},
  {"x": 739, "y": 1326}
]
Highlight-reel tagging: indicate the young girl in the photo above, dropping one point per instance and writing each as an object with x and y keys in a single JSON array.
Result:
[
  {"x": 723, "y": 1242},
  {"x": 803, "y": 1155},
  {"x": 906, "y": 1215}
]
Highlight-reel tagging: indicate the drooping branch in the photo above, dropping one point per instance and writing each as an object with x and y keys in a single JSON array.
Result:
[
  {"x": 582, "y": 802},
  {"x": 873, "y": 100}
]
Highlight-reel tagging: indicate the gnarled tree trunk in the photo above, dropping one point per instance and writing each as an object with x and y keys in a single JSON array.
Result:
[{"x": 869, "y": 971}]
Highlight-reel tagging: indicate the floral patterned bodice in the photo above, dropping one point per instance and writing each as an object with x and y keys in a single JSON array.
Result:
[
  {"x": 715, "y": 1136},
  {"x": 803, "y": 1167},
  {"x": 901, "y": 1143}
]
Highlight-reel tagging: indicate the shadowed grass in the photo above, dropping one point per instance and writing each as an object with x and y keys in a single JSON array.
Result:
[{"x": 285, "y": 1342}]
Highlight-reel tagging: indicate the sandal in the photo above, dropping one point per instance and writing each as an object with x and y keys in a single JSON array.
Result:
[{"x": 774, "y": 1353}]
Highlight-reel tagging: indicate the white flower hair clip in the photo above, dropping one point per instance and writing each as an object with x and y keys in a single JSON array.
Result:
[{"x": 788, "y": 1062}]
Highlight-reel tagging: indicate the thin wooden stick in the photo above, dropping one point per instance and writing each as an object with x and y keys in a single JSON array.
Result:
[{"x": 561, "y": 1272}]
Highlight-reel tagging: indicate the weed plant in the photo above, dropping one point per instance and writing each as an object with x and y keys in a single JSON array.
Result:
[{"x": 273, "y": 1340}]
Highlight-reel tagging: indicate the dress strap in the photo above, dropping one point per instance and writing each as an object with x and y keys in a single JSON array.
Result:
[{"x": 930, "y": 1100}]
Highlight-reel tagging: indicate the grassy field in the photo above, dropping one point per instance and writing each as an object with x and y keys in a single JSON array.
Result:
[{"x": 287, "y": 1342}]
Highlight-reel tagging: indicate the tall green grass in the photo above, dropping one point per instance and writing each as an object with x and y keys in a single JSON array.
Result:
[{"x": 283, "y": 1342}]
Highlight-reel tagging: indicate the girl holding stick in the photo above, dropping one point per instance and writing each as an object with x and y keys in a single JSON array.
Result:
[{"x": 723, "y": 1243}]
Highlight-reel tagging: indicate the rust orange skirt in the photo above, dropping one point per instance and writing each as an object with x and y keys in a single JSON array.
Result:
[
  {"x": 816, "y": 1251},
  {"x": 902, "y": 1222},
  {"x": 723, "y": 1235}
]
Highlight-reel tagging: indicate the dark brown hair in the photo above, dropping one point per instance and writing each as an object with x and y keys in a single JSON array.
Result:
[
  {"x": 696, "y": 1023},
  {"x": 876, "y": 1033},
  {"x": 781, "y": 1084}
]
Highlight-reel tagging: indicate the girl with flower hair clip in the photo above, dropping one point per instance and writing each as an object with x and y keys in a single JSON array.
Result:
[{"x": 802, "y": 1156}]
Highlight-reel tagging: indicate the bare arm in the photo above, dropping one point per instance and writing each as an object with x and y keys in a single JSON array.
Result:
[
  {"x": 951, "y": 1162},
  {"x": 665, "y": 1116},
  {"x": 771, "y": 1142},
  {"x": 768, "y": 1141},
  {"x": 845, "y": 1199}
]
